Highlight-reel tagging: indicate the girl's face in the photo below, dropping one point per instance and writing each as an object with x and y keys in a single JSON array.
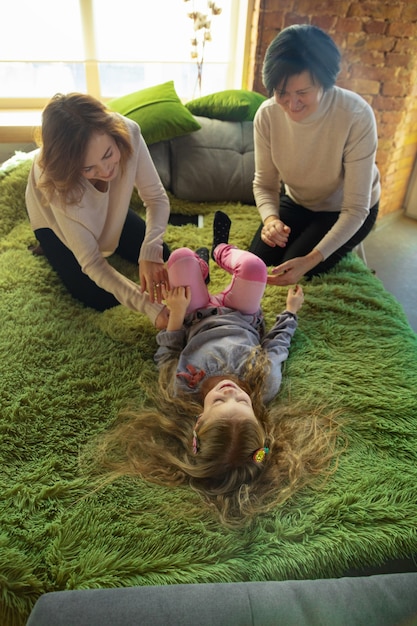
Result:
[
  {"x": 227, "y": 400},
  {"x": 102, "y": 158},
  {"x": 301, "y": 97}
]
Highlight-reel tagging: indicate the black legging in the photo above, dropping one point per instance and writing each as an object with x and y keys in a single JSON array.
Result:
[
  {"x": 79, "y": 285},
  {"x": 307, "y": 229}
]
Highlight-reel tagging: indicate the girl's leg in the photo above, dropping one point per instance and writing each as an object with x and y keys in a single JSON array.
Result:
[
  {"x": 249, "y": 279},
  {"x": 185, "y": 268},
  {"x": 79, "y": 285},
  {"x": 132, "y": 236}
]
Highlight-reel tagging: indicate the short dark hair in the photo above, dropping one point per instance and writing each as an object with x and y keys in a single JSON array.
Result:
[{"x": 297, "y": 49}]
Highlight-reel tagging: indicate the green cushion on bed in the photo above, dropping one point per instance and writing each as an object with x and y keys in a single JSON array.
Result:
[
  {"x": 158, "y": 111},
  {"x": 234, "y": 105}
]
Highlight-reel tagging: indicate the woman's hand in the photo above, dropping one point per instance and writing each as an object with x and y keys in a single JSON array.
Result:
[
  {"x": 153, "y": 276},
  {"x": 274, "y": 232},
  {"x": 177, "y": 300},
  {"x": 290, "y": 272}
]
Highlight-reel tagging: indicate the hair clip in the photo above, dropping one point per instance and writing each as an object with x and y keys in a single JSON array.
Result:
[
  {"x": 259, "y": 455},
  {"x": 195, "y": 442}
]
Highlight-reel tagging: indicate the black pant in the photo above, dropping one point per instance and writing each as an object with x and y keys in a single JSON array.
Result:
[
  {"x": 307, "y": 229},
  {"x": 79, "y": 285}
]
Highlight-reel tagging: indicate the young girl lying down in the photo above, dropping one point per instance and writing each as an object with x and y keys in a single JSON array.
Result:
[{"x": 218, "y": 371}]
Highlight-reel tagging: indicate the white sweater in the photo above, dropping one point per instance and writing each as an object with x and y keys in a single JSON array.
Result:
[
  {"x": 91, "y": 229},
  {"x": 326, "y": 161}
]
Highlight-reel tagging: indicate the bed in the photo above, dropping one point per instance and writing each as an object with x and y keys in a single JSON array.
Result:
[{"x": 66, "y": 371}]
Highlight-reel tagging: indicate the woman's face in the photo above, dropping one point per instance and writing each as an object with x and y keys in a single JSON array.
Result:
[
  {"x": 301, "y": 96},
  {"x": 102, "y": 158},
  {"x": 227, "y": 400}
]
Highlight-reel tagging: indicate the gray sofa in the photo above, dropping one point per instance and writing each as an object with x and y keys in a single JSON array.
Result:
[
  {"x": 215, "y": 163},
  {"x": 380, "y": 600}
]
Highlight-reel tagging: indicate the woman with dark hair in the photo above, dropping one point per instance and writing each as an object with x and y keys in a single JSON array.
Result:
[
  {"x": 78, "y": 196},
  {"x": 316, "y": 183}
]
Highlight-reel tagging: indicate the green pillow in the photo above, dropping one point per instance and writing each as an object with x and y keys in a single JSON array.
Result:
[
  {"x": 158, "y": 111},
  {"x": 235, "y": 105}
]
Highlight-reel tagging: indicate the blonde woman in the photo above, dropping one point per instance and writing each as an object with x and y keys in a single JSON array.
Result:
[{"x": 78, "y": 196}]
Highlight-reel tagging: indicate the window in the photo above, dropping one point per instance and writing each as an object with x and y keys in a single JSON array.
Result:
[{"x": 109, "y": 48}]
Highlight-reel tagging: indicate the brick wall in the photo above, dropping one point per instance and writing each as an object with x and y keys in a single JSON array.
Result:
[{"x": 378, "y": 42}]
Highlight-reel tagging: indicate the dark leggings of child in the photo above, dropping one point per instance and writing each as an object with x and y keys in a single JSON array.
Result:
[
  {"x": 307, "y": 229},
  {"x": 79, "y": 285}
]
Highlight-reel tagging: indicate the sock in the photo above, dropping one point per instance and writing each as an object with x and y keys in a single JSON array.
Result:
[
  {"x": 221, "y": 230},
  {"x": 204, "y": 254}
]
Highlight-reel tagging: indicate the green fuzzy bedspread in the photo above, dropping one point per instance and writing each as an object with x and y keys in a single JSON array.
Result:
[{"x": 67, "y": 370}]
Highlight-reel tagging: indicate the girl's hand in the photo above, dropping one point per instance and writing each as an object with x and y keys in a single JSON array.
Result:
[
  {"x": 275, "y": 233},
  {"x": 152, "y": 277},
  {"x": 177, "y": 300},
  {"x": 295, "y": 299}
]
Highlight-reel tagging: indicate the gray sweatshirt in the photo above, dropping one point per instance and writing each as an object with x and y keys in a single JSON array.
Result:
[{"x": 217, "y": 341}]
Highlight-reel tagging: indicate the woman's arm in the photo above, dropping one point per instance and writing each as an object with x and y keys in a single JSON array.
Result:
[
  {"x": 266, "y": 183},
  {"x": 155, "y": 199},
  {"x": 83, "y": 244},
  {"x": 150, "y": 189},
  {"x": 290, "y": 272}
]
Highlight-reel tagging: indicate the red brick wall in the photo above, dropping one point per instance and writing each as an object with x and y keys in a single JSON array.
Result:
[{"x": 378, "y": 42}]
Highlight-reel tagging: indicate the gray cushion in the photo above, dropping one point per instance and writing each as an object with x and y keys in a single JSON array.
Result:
[
  {"x": 160, "y": 153},
  {"x": 384, "y": 600},
  {"x": 215, "y": 163}
]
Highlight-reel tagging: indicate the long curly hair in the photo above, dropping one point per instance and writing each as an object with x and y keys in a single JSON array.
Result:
[
  {"x": 68, "y": 122},
  {"x": 155, "y": 442}
]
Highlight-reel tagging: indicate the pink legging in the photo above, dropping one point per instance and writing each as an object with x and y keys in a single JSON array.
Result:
[{"x": 245, "y": 291}]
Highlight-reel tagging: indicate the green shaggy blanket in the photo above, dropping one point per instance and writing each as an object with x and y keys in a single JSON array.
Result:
[{"x": 67, "y": 370}]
